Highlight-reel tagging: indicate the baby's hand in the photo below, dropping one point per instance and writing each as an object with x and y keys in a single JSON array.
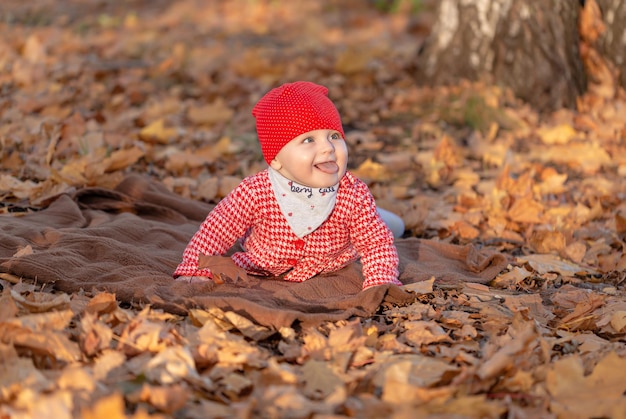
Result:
[{"x": 193, "y": 279}]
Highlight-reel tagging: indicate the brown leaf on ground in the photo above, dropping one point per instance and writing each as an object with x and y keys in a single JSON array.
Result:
[{"x": 576, "y": 394}]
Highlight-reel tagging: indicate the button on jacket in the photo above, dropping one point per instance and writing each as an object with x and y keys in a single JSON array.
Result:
[{"x": 251, "y": 213}]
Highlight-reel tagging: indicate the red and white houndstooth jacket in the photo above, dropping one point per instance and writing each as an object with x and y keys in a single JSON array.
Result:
[{"x": 251, "y": 213}]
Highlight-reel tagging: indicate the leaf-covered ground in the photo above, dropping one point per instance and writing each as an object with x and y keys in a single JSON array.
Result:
[{"x": 93, "y": 90}]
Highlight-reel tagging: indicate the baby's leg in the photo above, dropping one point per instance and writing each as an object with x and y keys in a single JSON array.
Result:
[{"x": 395, "y": 223}]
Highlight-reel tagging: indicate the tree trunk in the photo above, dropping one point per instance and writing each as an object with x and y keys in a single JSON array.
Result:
[
  {"x": 609, "y": 47},
  {"x": 534, "y": 47}
]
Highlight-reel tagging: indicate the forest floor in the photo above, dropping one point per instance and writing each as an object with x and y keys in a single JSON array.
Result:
[{"x": 93, "y": 90}]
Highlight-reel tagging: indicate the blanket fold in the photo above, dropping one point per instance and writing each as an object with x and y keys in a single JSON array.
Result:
[{"x": 129, "y": 240}]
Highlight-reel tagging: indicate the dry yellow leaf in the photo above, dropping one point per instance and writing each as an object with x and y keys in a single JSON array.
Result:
[
  {"x": 57, "y": 404},
  {"x": 171, "y": 365},
  {"x": 420, "y": 333},
  {"x": 599, "y": 394},
  {"x": 560, "y": 134},
  {"x": 158, "y": 132},
  {"x": 465, "y": 230},
  {"x": 504, "y": 358},
  {"x": 121, "y": 159},
  {"x": 526, "y": 210},
  {"x": 24, "y": 251},
  {"x": 108, "y": 407},
  {"x": 96, "y": 336},
  {"x": 552, "y": 263},
  {"x": 77, "y": 378},
  {"x": 422, "y": 287},
  {"x": 40, "y": 302},
  {"x": 347, "y": 338},
  {"x": 18, "y": 374},
  {"x": 52, "y": 344},
  {"x": 589, "y": 157},
  {"x": 512, "y": 277},
  {"x": 319, "y": 379},
  {"x": 210, "y": 114},
  {"x": 179, "y": 161},
  {"x": 166, "y": 399},
  {"x": 447, "y": 152},
  {"x": 576, "y": 251},
  {"x": 141, "y": 335},
  {"x": 101, "y": 303},
  {"x": 18, "y": 188},
  {"x": 618, "y": 321},
  {"x": 248, "y": 328},
  {"x": 544, "y": 241},
  {"x": 54, "y": 320},
  {"x": 403, "y": 378},
  {"x": 370, "y": 170}
]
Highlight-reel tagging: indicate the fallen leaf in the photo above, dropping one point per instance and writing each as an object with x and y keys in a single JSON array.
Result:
[
  {"x": 512, "y": 277},
  {"x": 171, "y": 365},
  {"x": 121, "y": 159},
  {"x": 618, "y": 321},
  {"x": 167, "y": 399},
  {"x": 319, "y": 379},
  {"x": 41, "y": 322},
  {"x": 96, "y": 336},
  {"x": 248, "y": 328},
  {"x": 420, "y": 333},
  {"x": 421, "y": 287},
  {"x": 40, "y": 302},
  {"x": 588, "y": 157},
  {"x": 158, "y": 132},
  {"x": 560, "y": 134},
  {"x": 599, "y": 394},
  {"x": 77, "y": 379},
  {"x": 108, "y": 407},
  {"x": 504, "y": 358},
  {"x": 371, "y": 170},
  {"x": 18, "y": 374},
  {"x": 102, "y": 303},
  {"x": 543, "y": 264},
  {"x": 545, "y": 241},
  {"x": 52, "y": 344},
  {"x": 403, "y": 378},
  {"x": 526, "y": 210},
  {"x": 210, "y": 114},
  {"x": 24, "y": 251}
]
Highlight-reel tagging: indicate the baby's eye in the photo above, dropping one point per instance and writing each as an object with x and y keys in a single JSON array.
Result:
[
  {"x": 335, "y": 136},
  {"x": 308, "y": 140}
]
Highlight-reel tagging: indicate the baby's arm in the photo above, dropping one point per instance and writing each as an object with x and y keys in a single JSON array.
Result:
[
  {"x": 228, "y": 221},
  {"x": 374, "y": 241}
]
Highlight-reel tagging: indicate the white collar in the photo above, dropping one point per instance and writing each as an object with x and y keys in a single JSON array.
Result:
[{"x": 304, "y": 208}]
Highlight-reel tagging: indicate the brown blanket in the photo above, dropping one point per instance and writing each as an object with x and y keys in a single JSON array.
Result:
[{"x": 129, "y": 240}]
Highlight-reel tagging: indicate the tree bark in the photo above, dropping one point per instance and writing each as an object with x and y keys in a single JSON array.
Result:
[
  {"x": 533, "y": 47},
  {"x": 612, "y": 42}
]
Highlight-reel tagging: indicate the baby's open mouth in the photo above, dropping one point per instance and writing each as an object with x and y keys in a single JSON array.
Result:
[{"x": 328, "y": 167}]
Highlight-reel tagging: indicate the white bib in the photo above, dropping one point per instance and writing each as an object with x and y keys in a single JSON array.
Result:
[{"x": 305, "y": 208}]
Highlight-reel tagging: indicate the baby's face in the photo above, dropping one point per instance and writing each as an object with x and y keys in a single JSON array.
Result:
[{"x": 317, "y": 159}]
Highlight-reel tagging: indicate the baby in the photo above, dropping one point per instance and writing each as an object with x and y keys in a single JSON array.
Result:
[{"x": 305, "y": 214}]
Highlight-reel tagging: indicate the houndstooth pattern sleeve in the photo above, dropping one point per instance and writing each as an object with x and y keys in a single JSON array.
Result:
[
  {"x": 373, "y": 240},
  {"x": 226, "y": 223}
]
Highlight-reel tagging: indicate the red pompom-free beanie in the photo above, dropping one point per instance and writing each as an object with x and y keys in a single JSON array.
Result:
[{"x": 291, "y": 110}]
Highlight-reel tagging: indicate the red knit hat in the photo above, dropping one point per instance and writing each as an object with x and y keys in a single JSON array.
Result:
[{"x": 291, "y": 110}]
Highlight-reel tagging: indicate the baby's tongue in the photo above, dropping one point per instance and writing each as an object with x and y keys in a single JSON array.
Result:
[{"x": 328, "y": 167}]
